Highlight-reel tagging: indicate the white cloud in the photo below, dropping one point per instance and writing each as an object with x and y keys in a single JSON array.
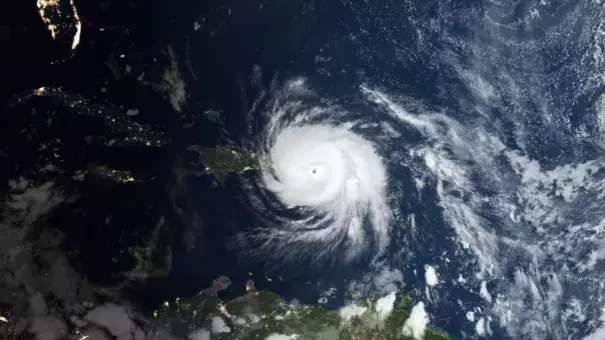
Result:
[
  {"x": 219, "y": 326},
  {"x": 384, "y": 305},
  {"x": 276, "y": 336},
  {"x": 199, "y": 334},
  {"x": 480, "y": 327},
  {"x": 37, "y": 305},
  {"x": 470, "y": 316},
  {"x": 484, "y": 293},
  {"x": 113, "y": 317},
  {"x": 174, "y": 85},
  {"x": 430, "y": 275},
  {"x": 415, "y": 325},
  {"x": 350, "y": 311},
  {"x": 591, "y": 259}
]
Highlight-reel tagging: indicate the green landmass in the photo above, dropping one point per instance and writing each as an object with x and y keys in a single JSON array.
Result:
[
  {"x": 405, "y": 301},
  {"x": 403, "y": 225},
  {"x": 257, "y": 315},
  {"x": 221, "y": 161}
]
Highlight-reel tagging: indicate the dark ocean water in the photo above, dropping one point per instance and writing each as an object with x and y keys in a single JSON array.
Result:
[{"x": 434, "y": 56}]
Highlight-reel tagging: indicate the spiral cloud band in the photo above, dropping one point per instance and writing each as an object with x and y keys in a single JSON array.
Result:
[{"x": 329, "y": 176}]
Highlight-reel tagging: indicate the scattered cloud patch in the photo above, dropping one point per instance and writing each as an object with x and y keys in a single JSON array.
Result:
[
  {"x": 387, "y": 280},
  {"x": 351, "y": 311},
  {"x": 381, "y": 281},
  {"x": 34, "y": 202},
  {"x": 48, "y": 328},
  {"x": 326, "y": 295},
  {"x": 598, "y": 334}
]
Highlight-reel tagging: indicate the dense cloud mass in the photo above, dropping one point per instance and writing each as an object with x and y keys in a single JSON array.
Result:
[{"x": 327, "y": 173}]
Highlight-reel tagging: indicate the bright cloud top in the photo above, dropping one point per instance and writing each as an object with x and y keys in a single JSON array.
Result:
[
  {"x": 328, "y": 178},
  {"x": 333, "y": 172}
]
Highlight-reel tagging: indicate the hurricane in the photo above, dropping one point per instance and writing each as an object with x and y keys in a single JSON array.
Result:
[
  {"x": 492, "y": 145},
  {"x": 323, "y": 184}
]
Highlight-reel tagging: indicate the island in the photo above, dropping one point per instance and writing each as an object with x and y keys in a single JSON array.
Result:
[{"x": 221, "y": 161}]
